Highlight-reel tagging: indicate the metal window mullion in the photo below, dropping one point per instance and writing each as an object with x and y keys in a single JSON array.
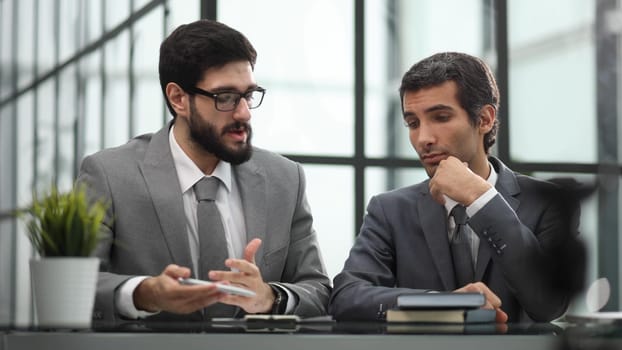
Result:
[
  {"x": 607, "y": 73},
  {"x": 502, "y": 50},
  {"x": 14, "y": 149},
  {"x": 56, "y": 108},
  {"x": 78, "y": 130},
  {"x": 393, "y": 56},
  {"x": 209, "y": 9},
  {"x": 359, "y": 113},
  {"x": 165, "y": 15},
  {"x": 104, "y": 85},
  {"x": 131, "y": 78}
]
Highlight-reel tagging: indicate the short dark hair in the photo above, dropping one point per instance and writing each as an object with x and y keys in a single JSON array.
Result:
[
  {"x": 193, "y": 48},
  {"x": 476, "y": 84}
]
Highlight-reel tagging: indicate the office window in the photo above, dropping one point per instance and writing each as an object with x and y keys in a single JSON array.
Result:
[
  {"x": 552, "y": 81},
  {"x": 305, "y": 59}
]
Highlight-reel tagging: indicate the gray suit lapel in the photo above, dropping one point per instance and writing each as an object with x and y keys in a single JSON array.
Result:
[
  {"x": 251, "y": 181},
  {"x": 508, "y": 188},
  {"x": 431, "y": 214},
  {"x": 159, "y": 172}
]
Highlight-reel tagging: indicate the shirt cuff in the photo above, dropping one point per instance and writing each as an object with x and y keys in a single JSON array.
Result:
[
  {"x": 481, "y": 201},
  {"x": 124, "y": 299}
]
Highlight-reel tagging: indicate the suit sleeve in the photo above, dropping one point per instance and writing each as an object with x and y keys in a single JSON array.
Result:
[
  {"x": 525, "y": 251},
  {"x": 304, "y": 273},
  {"x": 93, "y": 176},
  {"x": 365, "y": 289}
]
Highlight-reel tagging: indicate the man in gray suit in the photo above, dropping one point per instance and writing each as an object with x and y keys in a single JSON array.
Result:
[
  {"x": 261, "y": 236},
  {"x": 514, "y": 222}
]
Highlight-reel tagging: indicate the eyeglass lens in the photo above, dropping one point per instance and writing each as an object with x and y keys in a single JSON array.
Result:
[{"x": 229, "y": 100}]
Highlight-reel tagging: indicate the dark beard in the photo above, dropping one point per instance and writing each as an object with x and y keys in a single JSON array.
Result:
[{"x": 205, "y": 134}]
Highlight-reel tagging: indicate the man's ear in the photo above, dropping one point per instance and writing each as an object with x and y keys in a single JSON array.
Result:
[
  {"x": 178, "y": 99},
  {"x": 487, "y": 116}
]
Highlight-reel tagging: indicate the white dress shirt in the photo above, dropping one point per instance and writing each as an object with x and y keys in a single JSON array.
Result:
[
  {"x": 229, "y": 204},
  {"x": 471, "y": 210}
]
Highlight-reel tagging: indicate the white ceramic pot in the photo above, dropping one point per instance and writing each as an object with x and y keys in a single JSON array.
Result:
[{"x": 64, "y": 291}]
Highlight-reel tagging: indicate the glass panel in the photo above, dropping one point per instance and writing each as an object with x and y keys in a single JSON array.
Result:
[
  {"x": 552, "y": 63},
  {"x": 330, "y": 191},
  {"x": 116, "y": 118},
  {"x": 67, "y": 118},
  {"x": 148, "y": 101},
  {"x": 92, "y": 103},
  {"x": 46, "y": 40},
  {"x": 307, "y": 70},
  {"x": 6, "y": 50},
  {"x": 397, "y": 35},
  {"x": 45, "y": 147},
  {"x": 24, "y": 182},
  {"x": 117, "y": 11},
  {"x": 25, "y": 45},
  {"x": 93, "y": 20},
  {"x": 7, "y": 149},
  {"x": 69, "y": 32},
  {"x": 379, "y": 180},
  {"x": 182, "y": 12}
]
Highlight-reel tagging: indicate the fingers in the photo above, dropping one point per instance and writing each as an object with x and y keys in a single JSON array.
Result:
[
  {"x": 492, "y": 300},
  {"x": 175, "y": 271},
  {"x": 454, "y": 179},
  {"x": 165, "y": 293},
  {"x": 501, "y": 316},
  {"x": 251, "y": 249}
]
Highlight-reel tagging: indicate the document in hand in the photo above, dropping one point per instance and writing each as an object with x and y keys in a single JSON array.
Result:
[{"x": 444, "y": 307}]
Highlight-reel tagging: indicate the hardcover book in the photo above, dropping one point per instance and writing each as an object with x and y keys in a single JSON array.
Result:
[
  {"x": 442, "y": 315},
  {"x": 441, "y": 300}
]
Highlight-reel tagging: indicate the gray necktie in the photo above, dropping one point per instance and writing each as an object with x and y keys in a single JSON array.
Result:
[
  {"x": 212, "y": 241},
  {"x": 461, "y": 248}
]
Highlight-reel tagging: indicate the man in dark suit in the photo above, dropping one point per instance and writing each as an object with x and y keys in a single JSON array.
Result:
[
  {"x": 259, "y": 234},
  {"x": 514, "y": 223}
]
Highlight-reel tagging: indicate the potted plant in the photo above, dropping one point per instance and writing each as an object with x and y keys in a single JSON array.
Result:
[{"x": 63, "y": 228}]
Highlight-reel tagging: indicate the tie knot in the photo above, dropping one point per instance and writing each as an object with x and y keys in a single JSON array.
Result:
[
  {"x": 206, "y": 188},
  {"x": 459, "y": 214}
]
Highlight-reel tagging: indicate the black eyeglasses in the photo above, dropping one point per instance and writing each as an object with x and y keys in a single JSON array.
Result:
[{"x": 229, "y": 100}]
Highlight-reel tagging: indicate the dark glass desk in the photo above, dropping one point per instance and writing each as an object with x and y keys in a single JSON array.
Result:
[{"x": 315, "y": 336}]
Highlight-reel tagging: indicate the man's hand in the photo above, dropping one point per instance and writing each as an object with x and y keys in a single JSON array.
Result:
[
  {"x": 246, "y": 275},
  {"x": 164, "y": 293},
  {"x": 492, "y": 300},
  {"x": 454, "y": 179}
]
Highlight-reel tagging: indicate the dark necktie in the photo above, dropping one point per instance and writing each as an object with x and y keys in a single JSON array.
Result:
[
  {"x": 461, "y": 248},
  {"x": 212, "y": 241}
]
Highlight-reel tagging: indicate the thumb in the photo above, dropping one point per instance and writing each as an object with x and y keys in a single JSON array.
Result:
[{"x": 251, "y": 249}]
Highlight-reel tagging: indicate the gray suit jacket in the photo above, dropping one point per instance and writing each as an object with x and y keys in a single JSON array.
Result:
[
  {"x": 403, "y": 248},
  {"x": 145, "y": 226}
]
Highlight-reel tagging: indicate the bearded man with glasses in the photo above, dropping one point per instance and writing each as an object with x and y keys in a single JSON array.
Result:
[{"x": 196, "y": 200}]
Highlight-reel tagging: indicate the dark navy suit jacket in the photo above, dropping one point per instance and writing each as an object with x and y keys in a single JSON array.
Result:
[{"x": 403, "y": 248}]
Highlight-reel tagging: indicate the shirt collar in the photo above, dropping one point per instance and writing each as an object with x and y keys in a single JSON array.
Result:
[
  {"x": 492, "y": 179},
  {"x": 189, "y": 173}
]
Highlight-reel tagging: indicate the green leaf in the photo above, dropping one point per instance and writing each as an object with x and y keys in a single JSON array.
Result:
[{"x": 64, "y": 224}]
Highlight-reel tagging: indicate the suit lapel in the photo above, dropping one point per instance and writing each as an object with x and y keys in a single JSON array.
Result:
[
  {"x": 159, "y": 172},
  {"x": 508, "y": 188},
  {"x": 251, "y": 181},
  {"x": 431, "y": 214}
]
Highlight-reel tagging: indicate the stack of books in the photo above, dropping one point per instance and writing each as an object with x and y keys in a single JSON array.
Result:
[{"x": 444, "y": 307}]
